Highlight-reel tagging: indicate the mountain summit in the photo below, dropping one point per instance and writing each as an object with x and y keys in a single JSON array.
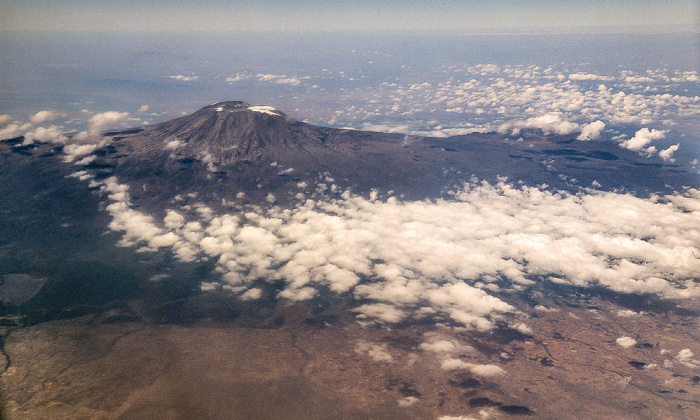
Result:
[{"x": 226, "y": 133}]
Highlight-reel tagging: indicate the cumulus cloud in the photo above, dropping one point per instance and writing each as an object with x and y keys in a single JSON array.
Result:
[
  {"x": 667, "y": 154},
  {"x": 685, "y": 357},
  {"x": 439, "y": 346},
  {"x": 237, "y": 78},
  {"x": 252, "y": 294},
  {"x": 43, "y": 116},
  {"x": 551, "y": 123},
  {"x": 143, "y": 108},
  {"x": 591, "y": 131},
  {"x": 589, "y": 76},
  {"x": 279, "y": 79},
  {"x": 99, "y": 122},
  {"x": 378, "y": 352},
  {"x": 10, "y": 131},
  {"x": 173, "y": 144},
  {"x": 52, "y": 134},
  {"x": 626, "y": 313},
  {"x": 183, "y": 78},
  {"x": 5, "y": 118},
  {"x": 407, "y": 401},
  {"x": 626, "y": 342},
  {"x": 642, "y": 138},
  {"x": 456, "y": 418},
  {"x": 478, "y": 370}
]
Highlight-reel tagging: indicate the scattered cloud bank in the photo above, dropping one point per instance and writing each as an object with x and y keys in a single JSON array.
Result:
[
  {"x": 447, "y": 259},
  {"x": 278, "y": 79},
  {"x": 590, "y": 76},
  {"x": 556, "y": 99},
  {"x": 96, "y": 124}
]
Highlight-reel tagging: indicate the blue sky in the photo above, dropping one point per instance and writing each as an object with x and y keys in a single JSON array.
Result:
[{"x": 330, "y": 15}]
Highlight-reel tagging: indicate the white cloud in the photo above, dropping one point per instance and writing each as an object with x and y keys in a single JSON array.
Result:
[
  {"x": 551, "y": 123},
  {"x": 237, "y": 78},
  {"x": 43, "y": 116},
  {"x": 478, "y": 370},
  {"x": 589, "y": 76},
  {"x": 628, "y": 313},
  {"x": 252, "y": 294},
  {"x": 378, "y": 352},
  {"x": 642, "y": 138},
  {"x": 407, "y": 401},
  {"x": 626, "y": 342},
  {"x": 639, "y": 79},
  {"x": 100, "y": 122},
  {"x": 73, "y": 151},
  {"x": 5, "y": 118},
  {"x": 685, "y": 357},
  {"x": 143, "y": 108},
  {"x": 52, "y": 134},
  {"x": 667, "y": 154},
  {"x": 456, "y": 418},
  {"x": 173, "y": 144},
  {"x": 439, "y": 346},
  {"x": 279, "y": 79},
  {"x": 488, "y": 68},
  {"x": 591, "y": 131},
  {"x": 10, "y": 131},
  {"x": 182, "y": 78}
]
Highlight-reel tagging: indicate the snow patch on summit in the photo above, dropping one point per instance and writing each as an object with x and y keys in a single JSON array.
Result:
[{"x": 263, "y": 109}]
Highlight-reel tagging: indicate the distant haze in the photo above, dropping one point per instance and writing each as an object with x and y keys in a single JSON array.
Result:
[{"x": 339, "y": 15}]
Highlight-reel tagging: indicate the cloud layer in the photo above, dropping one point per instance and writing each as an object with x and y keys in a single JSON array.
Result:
[{"x": 450, "y": 259}]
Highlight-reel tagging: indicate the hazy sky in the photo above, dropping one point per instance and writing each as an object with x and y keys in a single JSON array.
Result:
[{"x": 323, "y": 15}]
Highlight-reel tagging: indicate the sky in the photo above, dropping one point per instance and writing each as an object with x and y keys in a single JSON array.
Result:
[{"x": 334, "y": 15}]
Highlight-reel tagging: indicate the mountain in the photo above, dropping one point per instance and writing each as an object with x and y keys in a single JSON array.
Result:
[{"x": 231, "y": 147}]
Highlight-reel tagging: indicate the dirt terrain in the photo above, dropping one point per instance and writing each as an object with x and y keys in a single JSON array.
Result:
[{"x": 295, "y": 364}]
